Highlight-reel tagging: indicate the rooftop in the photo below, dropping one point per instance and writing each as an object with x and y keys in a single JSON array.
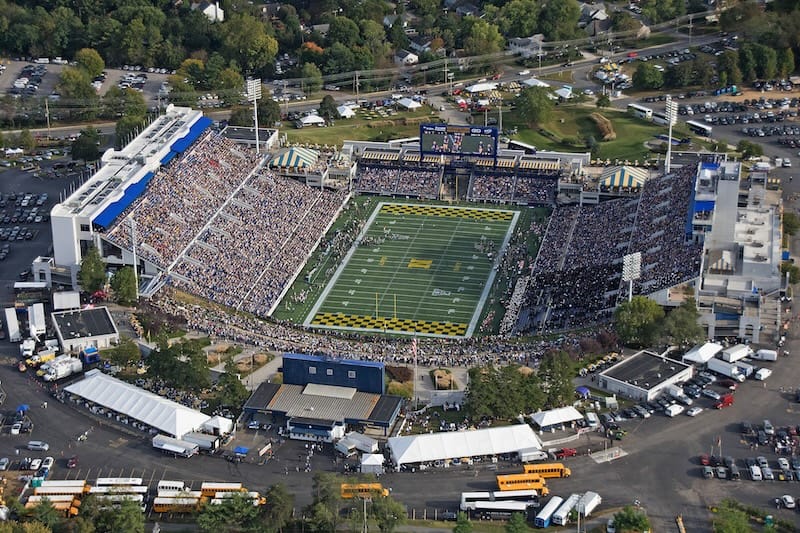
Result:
[
  {"x": 644, "y": 369},
  {"x": 84, "y": 323}
]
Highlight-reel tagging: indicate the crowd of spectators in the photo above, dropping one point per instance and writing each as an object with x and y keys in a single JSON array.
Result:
[
  {"x": 509, "y": 187},
  {"x": 181, "y": 198},
  {"x": 415, "y": 181},
  {"x": 668, "y": 257},
  {"x": 603, "y": 233},
  {"x": 258, "y": 241}
]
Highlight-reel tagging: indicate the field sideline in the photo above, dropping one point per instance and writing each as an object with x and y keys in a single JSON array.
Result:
[{"x": 417, "y": 269}]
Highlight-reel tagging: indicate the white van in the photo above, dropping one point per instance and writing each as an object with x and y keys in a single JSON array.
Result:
[
  {"x": 674, "y": 410},
  {"x": 592, "y": 420},
  {"x": 755, "y": 473}
]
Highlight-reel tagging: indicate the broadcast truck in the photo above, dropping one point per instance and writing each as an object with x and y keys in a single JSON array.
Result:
[{"x": 726, "y": 369}]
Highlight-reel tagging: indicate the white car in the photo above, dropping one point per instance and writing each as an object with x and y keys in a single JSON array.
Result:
[
  {"x": 610, "y": 528},
  {"x": 783, "y": 462},
  {"x": 36, "y": 463},
  {"x": 694, "y": 411},
  {"x": 525, "y": 72},
  {"x": 48, "y": 462},
  {"x": 787, "y": 501},
  {"x": 16, "y": 428}
]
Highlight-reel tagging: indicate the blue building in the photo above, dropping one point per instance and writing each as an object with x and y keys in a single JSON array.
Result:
[{"x": 364, "y": 376}]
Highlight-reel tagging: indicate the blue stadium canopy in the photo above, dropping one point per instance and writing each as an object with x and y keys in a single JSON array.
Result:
[
  {"x": 169, "y": 157},
  {"x": 195, "y": 131},
  {"x": 110, "y": 213}
]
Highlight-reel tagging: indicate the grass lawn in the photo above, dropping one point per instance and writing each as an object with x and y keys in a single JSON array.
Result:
[
  {"x": 573, "y": 122},
  {"x": 417, "y": 269},
  {"x": 359, "y": 128}
]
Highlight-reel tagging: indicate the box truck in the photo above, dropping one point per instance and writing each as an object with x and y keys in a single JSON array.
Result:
[
  {"x": 175, "y": 446},
  {"x": 734, "y": 353},
  {"x": 677, "y": 392},
  {"x": 61, "y": 367},
  {"x": 12, "y": 324},
  {"x": 765, "y": 355},
  {"x": 726, "y": 369},
  {"x": 588, "y": 503}
]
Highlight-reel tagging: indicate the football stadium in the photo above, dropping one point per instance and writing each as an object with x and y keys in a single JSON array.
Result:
[{"x": 445, "y": 235}]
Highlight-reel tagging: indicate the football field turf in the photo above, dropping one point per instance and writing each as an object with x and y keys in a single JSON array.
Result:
[{"x": 417, "y": 270}]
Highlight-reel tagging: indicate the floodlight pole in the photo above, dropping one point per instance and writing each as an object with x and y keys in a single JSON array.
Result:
[
  {"x": 672, "y": 109},
  {"x": 254, "y": 94},
  {"x": 631, "y": 270},
  {"x": 135, "y": 261}
]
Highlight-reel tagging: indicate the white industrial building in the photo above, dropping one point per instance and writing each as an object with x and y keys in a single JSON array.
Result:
[
  {"x": 81, "y": 328},
  {"x": 455, "y": 445},
  {"x": 644, "y": 375}
]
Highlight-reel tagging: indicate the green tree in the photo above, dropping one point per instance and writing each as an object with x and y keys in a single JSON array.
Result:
[
  {"x": 785, "y": 62},
  {"x": 92, "y": 274},
  {"x": 793, "y": 270},
  {"x": 646, "y": 77},
  {"x": 327, "y": 108},
  {"x": 123, "y": 283},
  {"x": 279, "y": 507},
  {"x": 519, "y": 18},
  {"x": 534, "y": 105},
  {"x": 558, "y": 19},
  {"x": 26, "y": 140},
  {"x": 622, "y": 21},
  {"x": 631, "y": 519},
  {"x": 269, "y": 112},
  {"x": 90, "y": 61},
  {"x": 730, "y": 519},
  {"x": 320, "y": 519},
  {"x": 555, "y": 374},
  {"x": 603, "y": 100},
  {"x": 312, "y": 77},
  {"x": 791, "y": 223},
  {"x": 345, "y": 31},
  {"x": 483, "y": 37},
  {"x": 245, "y": 41},
  {"x": 702, "y": 71},
  {"x": 747, "y": 63},
  {"x": 234, "y": 514},
  {"x": 749, "y": 149},
  {"x": 126, "y": 128},
  {"x": 463, "y": 524},
  {"x": 46, "y": 514},
  {"x": 124, "y": 102},
  {"x": 766, "y": 61},
  {"x": 127, "y": 517},
  {"x": 230, "y": 387},
  {"x": 728, "y": 65},
  {"x": 516, "y": 524},
  {"x": 125, "y": 352},
  {"x": 681, "y": 326},
  {"x": 637, "y": 322},
  {"x": 388, "y": 513},
  {"x": 660, "y": 10},
  {"x": 241, "y": 116},
  {"x": 85, "y": 147},
  {"x": 679, "y": 75}
]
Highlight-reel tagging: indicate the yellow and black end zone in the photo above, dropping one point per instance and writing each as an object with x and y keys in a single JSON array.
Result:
[
  {"x": 451, "y": 212},
  {"x": 421, "y": 327}
]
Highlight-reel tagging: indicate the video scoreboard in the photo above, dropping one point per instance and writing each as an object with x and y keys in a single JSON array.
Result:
[{"x": 448, "y": 139}]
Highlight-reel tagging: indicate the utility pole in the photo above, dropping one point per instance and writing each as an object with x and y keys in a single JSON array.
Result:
[
  {"x": 356, "y": 85},
  {"x": 47, "y": 115}
]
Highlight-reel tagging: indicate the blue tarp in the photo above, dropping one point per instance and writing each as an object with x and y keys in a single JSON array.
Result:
[
  {"x": 709, "y": 166},
  {"x": 785, "y": 255},
  {"x": 241, "y": 450},
  {"x": 133, "y": 191},
  {"x": 169, "y": 157},
  {"x": 690, "y": 214},
  {"x": 703, "y": 205},
  {"x": 195, "y": 131}
]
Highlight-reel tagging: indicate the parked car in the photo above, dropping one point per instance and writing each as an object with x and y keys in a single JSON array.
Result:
[
  {"x": 72, "y": 462},
  {"x": 694, "y": 411},
  {"x": 4, "y": 462},
  {"x": 566, "y": 452},
  {"x": 714, "y": 395},
  {"x": 762, "y": 461},
  {"x": 788, "y": 501},
  {"x": 704, "y": 459}
]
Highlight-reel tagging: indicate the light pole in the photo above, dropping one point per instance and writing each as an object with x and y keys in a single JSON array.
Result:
[
  {"x": 631, "y": 270},
  {"x": 672, "y": 117},
  {"x": 254, "y": 95}
]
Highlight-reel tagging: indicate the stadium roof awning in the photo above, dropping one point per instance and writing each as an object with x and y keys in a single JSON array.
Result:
[
  {"x": 169, "y": 157},
  {"x": 554, "y": 417},
  {"x": 295, "y": 158},
  {"x": 170, "y": 418},
  {"x": 624, "y": 177},
  {"x": 195, "y": 131},
  {"x": 451, "y": 445},
  {"x": 108, "y": 215}
]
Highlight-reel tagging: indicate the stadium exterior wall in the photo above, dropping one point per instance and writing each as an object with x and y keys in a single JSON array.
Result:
[{"x": 364, "y": 376}]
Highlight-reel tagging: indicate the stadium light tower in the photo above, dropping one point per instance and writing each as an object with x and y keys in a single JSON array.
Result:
[
  {"x": 631, "y": 270},
  {"x": 672, "y": 117},
  {"x": 254, "y": 95}
]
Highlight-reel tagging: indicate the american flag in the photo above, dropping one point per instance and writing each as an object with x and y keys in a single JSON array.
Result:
[{"x": 414, "y": 349}]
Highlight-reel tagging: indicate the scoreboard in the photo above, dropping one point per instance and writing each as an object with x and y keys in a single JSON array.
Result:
[{"x": 448, "y": 139}]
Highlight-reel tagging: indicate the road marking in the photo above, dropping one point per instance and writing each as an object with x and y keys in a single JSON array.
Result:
[{"x": 608, "y": 455}]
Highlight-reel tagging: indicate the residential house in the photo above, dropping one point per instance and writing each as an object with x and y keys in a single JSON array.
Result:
[
  {"x": 421, "y": 44},
  {"x": 468, "y": 10},
  {"x": 594, "y": 19},
  {"x": 212, "y": 11},
  {"x": 404, "y": 19},
  {"x": 526, "y": 47},
  {"x": 404, "y": 57}
]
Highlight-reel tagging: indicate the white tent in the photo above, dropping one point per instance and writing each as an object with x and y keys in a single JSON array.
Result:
[
  {"x": 533, "y": 82},
  {"x": 701, "y": 354},
  {"x": 564, "y": 93},
  {"x": 455, "y": 445},
  {"x": 218, "y": 425},
  {"x": 312, "y": 120},
  {"x": 165, "y": 415},
  {"x": 345, "y": 111},
  {"x": 554, "y": 417},
  {"x": 372, "y": 463},
  {"x": 481, "y": 87},
  {"x": 408, "y": 103}
]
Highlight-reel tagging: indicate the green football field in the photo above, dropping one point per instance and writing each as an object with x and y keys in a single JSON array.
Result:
[{"x": 417, "y": 270}]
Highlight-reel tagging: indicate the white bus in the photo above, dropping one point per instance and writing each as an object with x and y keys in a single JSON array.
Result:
[
  {"x": 561, "y": 516},
  {"x": 698, "y": 128},
  {"x": 545, "y": 515},
  {"x": 640, "y": 111},
  {"x": 470, "y": 500},
  {"x": 167, "y": 484},
  {"x": 661, "y": 118},
  {"x": 119, "y": 489},
  {"x": 118, "y": 481}
]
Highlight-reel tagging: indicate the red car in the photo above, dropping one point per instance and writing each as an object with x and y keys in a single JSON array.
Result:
[
  {"x": 729, "y": 384},
  {"x": 566, "y": 452},
  {"x": 704, "y": 460},
  {"x": 72, "y": 462}
]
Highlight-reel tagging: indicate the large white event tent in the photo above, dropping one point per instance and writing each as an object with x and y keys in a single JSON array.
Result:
[
  {"x": 555, "y": 417},
  {"x": 701, "y": 354},
  {"x": 457, "y": 444},
  {"x": 170, "y": 418}
]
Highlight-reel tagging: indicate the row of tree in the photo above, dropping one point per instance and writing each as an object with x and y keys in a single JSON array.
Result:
[{"x": 642, "y": 322}]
